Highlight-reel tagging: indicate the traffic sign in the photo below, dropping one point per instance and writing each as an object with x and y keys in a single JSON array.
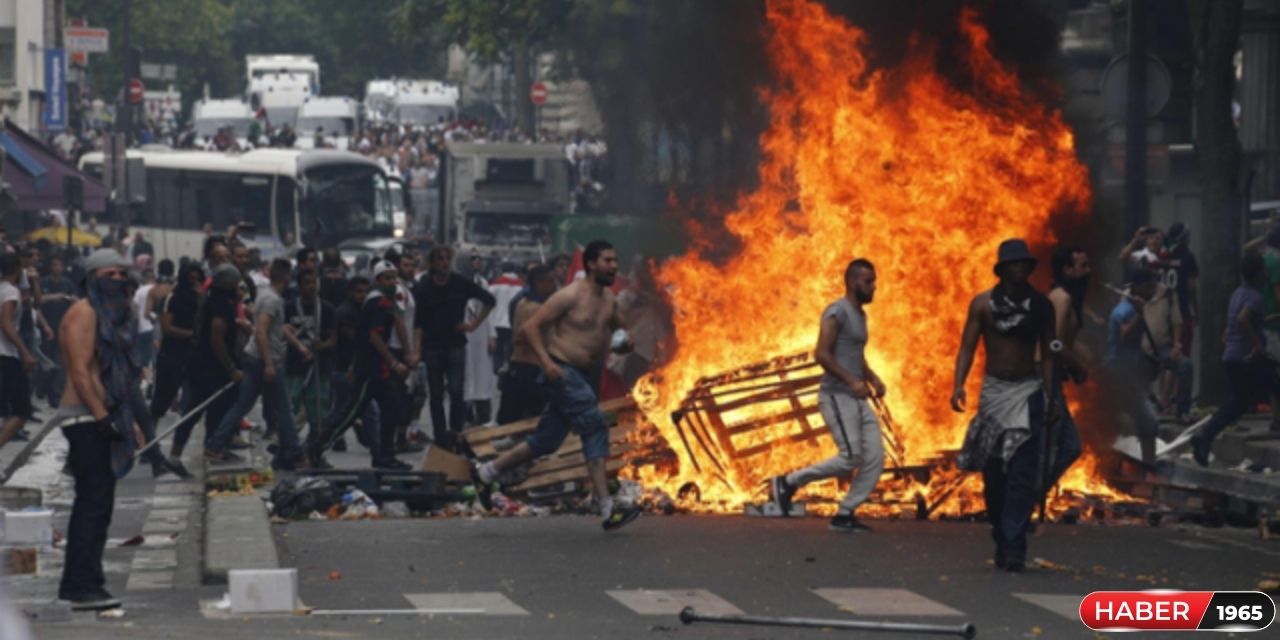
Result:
[
  {"x": 136, "y": 91},
  {"x": 538, "y": 93},
  {"x": 88, "y": 39}
]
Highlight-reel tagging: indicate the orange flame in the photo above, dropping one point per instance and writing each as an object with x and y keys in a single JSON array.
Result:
[{"x": 896, "y": 165}]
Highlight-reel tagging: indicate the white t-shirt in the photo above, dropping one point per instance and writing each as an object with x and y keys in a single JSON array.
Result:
[
  {"x": 140, "y": 308},
  {"x": 10, "y": 293},
  {"x": 408, "y": 307}
]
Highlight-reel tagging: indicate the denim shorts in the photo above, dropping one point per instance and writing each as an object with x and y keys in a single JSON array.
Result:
[{"x": 571, "y": 406}]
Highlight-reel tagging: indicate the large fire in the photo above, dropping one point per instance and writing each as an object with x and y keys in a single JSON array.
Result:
[{"x": 897, "y": 165}]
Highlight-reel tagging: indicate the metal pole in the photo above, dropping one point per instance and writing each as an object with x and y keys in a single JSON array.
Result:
[
  {"x": 190, "y": 414},
  {"x": 966, "y": 630},
  {"x": 1135, "y": 129}
]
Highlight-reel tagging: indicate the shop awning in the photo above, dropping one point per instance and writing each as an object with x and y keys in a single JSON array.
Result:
[{"x": 34, "y": 173}]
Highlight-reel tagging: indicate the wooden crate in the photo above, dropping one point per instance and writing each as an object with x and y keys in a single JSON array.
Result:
[{"x": 566, "y": 464}]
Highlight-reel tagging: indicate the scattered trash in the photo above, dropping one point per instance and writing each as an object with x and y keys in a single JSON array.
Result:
[
  {"x": 335, "y": 576},
  {"x": 224, "y": 604},
  {"x": 134, "y": 541},
  {"x": 298, "y": 498},
  {"x": 396, "y": 509},
  {"x": 111, "y": 613}
]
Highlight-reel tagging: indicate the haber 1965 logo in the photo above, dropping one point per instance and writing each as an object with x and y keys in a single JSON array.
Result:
[{"x": 1177, "y": 611}]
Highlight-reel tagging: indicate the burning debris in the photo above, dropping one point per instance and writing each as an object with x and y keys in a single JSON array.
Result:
[{"x": 920, "y": 172}]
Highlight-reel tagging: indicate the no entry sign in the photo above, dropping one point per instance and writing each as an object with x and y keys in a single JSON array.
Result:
[
  {"x": 538, "y": 93},
  {"x": 136, "y": 90}
]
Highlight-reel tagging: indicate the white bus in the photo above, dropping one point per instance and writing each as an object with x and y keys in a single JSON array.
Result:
[{"x": 292, "y": 198}]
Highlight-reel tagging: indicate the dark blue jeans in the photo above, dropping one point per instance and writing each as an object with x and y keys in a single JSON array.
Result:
[
  {"x": 89, "y": 457},
  {"x": 1010, "y": 489},
  {"x": 1248, "y": 384},
  {"x": 447, "y": 365},
  {"x": 275, "y": 410}
]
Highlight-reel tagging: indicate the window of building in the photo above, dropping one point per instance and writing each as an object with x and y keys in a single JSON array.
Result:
[{"x": 8, "y": 57}]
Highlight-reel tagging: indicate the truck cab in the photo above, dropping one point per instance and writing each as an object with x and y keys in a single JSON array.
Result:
[
  {"x": 337, "y": 119},
  {"x": 210, "y": 116},
  {"x": 499, "y": 199}
]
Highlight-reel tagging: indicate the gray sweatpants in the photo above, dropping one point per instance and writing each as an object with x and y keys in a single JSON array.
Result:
[{"x": 857, "y": 434}]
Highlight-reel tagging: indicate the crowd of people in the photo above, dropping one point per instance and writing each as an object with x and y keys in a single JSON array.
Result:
[
  {"x": 410, "y": 152},
  {"x": 115, "y": 344}
]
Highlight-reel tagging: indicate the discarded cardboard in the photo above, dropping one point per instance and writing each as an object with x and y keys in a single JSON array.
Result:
[
  {"x": 19, "y": 562},
  {"x": 453, "y": 466}
]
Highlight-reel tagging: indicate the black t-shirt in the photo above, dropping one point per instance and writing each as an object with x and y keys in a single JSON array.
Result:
[
  {"x": 348, "y": 321},
  {"x": 441, "y": 308},
  {"x": 333, "y": 286},
  {"x": 182, "y": 306},
  {"x": 1184, "y": 269},
  {"x": 54, "y": 310},
  {"x": 301, "y": 315},
  {"x": 377, "y": 315},
  {"x": 218, "y": 304}
]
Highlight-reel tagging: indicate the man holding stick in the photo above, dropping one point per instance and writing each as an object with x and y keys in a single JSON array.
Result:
[
  {"x": 847, "y": 385},
  {"x": 1013, "y": 320},
  {"x": 96, "y": 415},
  {"x": 578, "y": 319}
]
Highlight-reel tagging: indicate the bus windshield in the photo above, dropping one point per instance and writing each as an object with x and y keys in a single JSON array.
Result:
[
  {"x": 508, "y": 229},
  {"x": 331, "y": 125},
  {"x": 209, "y": 127},
  {"x": 343, "y": 201},
  {"x": 425, "y": 114}
]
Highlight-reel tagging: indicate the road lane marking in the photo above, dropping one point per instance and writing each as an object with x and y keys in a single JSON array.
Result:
[
  {"x": 885, "y": 602},
  {"x": 486, "y": 603},
  {"x": 669, "y": 602},
  {"x": 1064, "y": 604}
]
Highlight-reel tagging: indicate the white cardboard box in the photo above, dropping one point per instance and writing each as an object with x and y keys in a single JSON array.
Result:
[
  {"x": 263, "y": 590},
  {"x": 28, "y": 527}
]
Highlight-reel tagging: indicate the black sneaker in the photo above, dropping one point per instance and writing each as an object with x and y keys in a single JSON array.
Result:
[
  {"x": 391, "y": 463},
  {"x": 1200, "y": 451},
  {"x": 176, "y": 467},
  {"x": 319, "y": 463},
  {"x": 404, "y": 446},
  {"x": 21, "y": 435},
  {"x": 224, "y": 458},
  {"x": 158, "y": 469},
  {"x": 621, "y": 517},
  {"x": 1015, "y": 565},
  {"x": 781, "y": 492},
  {"x": 340, "y": 445},
  {"x": 848, "y": 524},
  {"x": 99, "y": 601}
]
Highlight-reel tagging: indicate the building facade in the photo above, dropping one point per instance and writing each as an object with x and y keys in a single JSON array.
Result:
[{"x": 22, "y": 43}]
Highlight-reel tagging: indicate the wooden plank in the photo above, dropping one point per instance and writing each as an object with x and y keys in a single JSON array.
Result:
[
  {"x": 571, "y": 443},
  {"x": 752, "y": 425},
  {"x": 478, "y": 436},
  {"x": 544, "y": 480}
]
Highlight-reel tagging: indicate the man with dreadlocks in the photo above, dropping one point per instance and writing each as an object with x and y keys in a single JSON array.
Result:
[
  {"x": 97, "y": 417},
  {"x": 1003, "y": 441}
]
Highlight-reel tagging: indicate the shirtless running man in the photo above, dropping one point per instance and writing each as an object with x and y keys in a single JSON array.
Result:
[
  {"x": 578, "y": 320},
  {"x": 96, "y": 416},
  {"x": 1003, "y": 441}
]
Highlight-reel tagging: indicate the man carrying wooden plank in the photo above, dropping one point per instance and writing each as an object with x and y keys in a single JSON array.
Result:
[{"x": 577, "y": 320}]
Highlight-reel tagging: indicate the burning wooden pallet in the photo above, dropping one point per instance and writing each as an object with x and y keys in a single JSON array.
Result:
[
  {"x": 735, "y": 416},
  {"x": 567, "y": 465}
]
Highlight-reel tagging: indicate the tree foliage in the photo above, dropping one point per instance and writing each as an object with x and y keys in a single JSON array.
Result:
[{"x": 208, "y": 39}]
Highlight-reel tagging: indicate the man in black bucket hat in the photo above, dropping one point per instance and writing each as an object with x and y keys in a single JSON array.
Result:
[{"x": 1013, "y": 320}]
